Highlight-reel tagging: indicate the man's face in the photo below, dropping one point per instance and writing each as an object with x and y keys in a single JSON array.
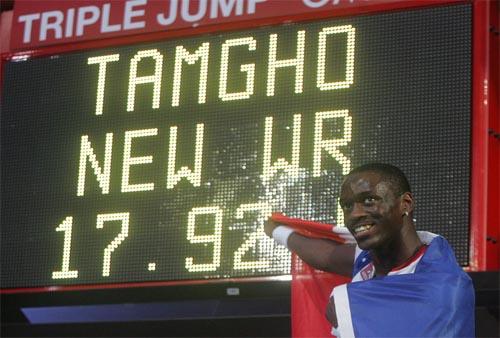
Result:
[{"x": 372, "y": 212}]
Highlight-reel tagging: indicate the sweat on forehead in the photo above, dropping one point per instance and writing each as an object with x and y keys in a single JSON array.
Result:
[
  {"x": 388, "y": 173},
  {"x": 364, "y": 179},
  {"x": 367, "y": 183}
]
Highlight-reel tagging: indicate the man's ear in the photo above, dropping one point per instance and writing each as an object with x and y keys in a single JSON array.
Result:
[{"x": 407, "y": 203}]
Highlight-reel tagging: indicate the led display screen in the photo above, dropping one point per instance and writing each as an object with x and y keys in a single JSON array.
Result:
[{"x": 161, "y": 161}]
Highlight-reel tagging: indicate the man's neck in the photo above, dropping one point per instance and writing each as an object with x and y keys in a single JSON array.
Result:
[{"x": 399, "y": 252}]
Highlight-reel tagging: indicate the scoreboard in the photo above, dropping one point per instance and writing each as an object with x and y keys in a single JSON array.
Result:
[{"x": 160, "y": 161}]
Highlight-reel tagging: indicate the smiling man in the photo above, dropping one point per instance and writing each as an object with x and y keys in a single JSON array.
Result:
[{"x": 404, "y": 283}]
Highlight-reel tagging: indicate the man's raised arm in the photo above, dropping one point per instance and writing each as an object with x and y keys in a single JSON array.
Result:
[{"x": 321, "y": 254}]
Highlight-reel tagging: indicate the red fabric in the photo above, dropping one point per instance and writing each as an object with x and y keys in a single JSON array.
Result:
[
  {"x": 310, "y": 293},
  {"x": 311, "y": 288},
  {"x": 308, "y": 228}
]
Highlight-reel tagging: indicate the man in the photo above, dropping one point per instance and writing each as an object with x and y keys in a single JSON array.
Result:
[{"x": 405, "y": 283}]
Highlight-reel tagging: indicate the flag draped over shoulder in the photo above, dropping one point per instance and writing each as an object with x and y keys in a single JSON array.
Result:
[{"x": 436, "y": 299}]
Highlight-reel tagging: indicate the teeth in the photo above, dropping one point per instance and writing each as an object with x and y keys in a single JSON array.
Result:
[{"x": 363, "y": 228}]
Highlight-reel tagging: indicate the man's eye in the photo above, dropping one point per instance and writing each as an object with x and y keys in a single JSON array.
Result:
[
  {"x": 369, "y": 200},
  {"x": 346, "y": 206}
]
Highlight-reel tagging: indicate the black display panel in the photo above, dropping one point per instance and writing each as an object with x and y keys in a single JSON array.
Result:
[{"x": 160, "y": 161}]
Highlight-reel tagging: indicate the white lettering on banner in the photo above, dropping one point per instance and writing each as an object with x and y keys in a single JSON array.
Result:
[
  {"x": 45, "y": 21},
  {"x": 321, "y": 3},
  {"x": 226, "y": 7},
  {"x": 130, "y": 13},
  {"x": 315, "y": 3},
  {"x": 82, "y": 20},
  {"x": 55, "y": 21},
  {"x": 57, "y": 18},
  {"x": 28, "y": 25},
  {"x": 165, "y": 21},
  {"x": 105, "y": 26},
  {"x": 217, "y": 7},
  {"x": 202, "y": 10},
  {"x": 70, "y": 20}
]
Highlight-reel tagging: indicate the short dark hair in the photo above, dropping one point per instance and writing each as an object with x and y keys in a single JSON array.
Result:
[{"x": 389, "y": 173}]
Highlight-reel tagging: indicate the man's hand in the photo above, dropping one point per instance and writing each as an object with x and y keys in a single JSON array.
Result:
[
  {"x": 269, "y": 226},
  {"x": 321, "y": 254},
  {"x": 331, "y": 315}
]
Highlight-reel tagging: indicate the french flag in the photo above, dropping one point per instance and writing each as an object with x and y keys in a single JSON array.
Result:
[{"x": 429, "y": 297}]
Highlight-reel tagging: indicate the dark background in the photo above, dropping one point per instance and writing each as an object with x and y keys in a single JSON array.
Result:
[
  {"x": 262, "y": 309},
  {"x": 410, "y": 106}
]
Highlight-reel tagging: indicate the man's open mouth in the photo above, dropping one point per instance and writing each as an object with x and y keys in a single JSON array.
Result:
[{"x": 362, "y": 228}]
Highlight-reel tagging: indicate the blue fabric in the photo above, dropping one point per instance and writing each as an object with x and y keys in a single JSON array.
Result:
[
  {"x": 435, "y": 301},
  {"x": 361, "y": 261}
]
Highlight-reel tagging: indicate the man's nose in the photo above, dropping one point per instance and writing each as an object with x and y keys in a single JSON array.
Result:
[{"x": 358, "y": 210}]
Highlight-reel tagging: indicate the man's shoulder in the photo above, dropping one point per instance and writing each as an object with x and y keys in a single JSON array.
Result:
[{"x": 440, "y": 258}]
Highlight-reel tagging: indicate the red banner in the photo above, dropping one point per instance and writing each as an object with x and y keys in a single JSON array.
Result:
[
  {"x": 310, "y": 294},
  {"x": 49, "y": 22}
]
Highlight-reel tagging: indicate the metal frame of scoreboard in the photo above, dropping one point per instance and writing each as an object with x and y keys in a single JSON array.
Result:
[{"x": 485, "y": 159}]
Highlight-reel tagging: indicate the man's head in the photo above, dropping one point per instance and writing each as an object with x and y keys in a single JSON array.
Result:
[
  {"x": 389, "y": 173},
  {"x": 377, "y": 204}
]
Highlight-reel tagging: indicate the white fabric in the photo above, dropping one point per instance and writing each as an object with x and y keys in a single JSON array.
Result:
[
  {"x": 344, "y": 233},
  {"x": 357, "y": 253},
  {"x": 345, "y": 327},
  {"x": 281, "y": 234},
  {"x": 426, "y": 237}
]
